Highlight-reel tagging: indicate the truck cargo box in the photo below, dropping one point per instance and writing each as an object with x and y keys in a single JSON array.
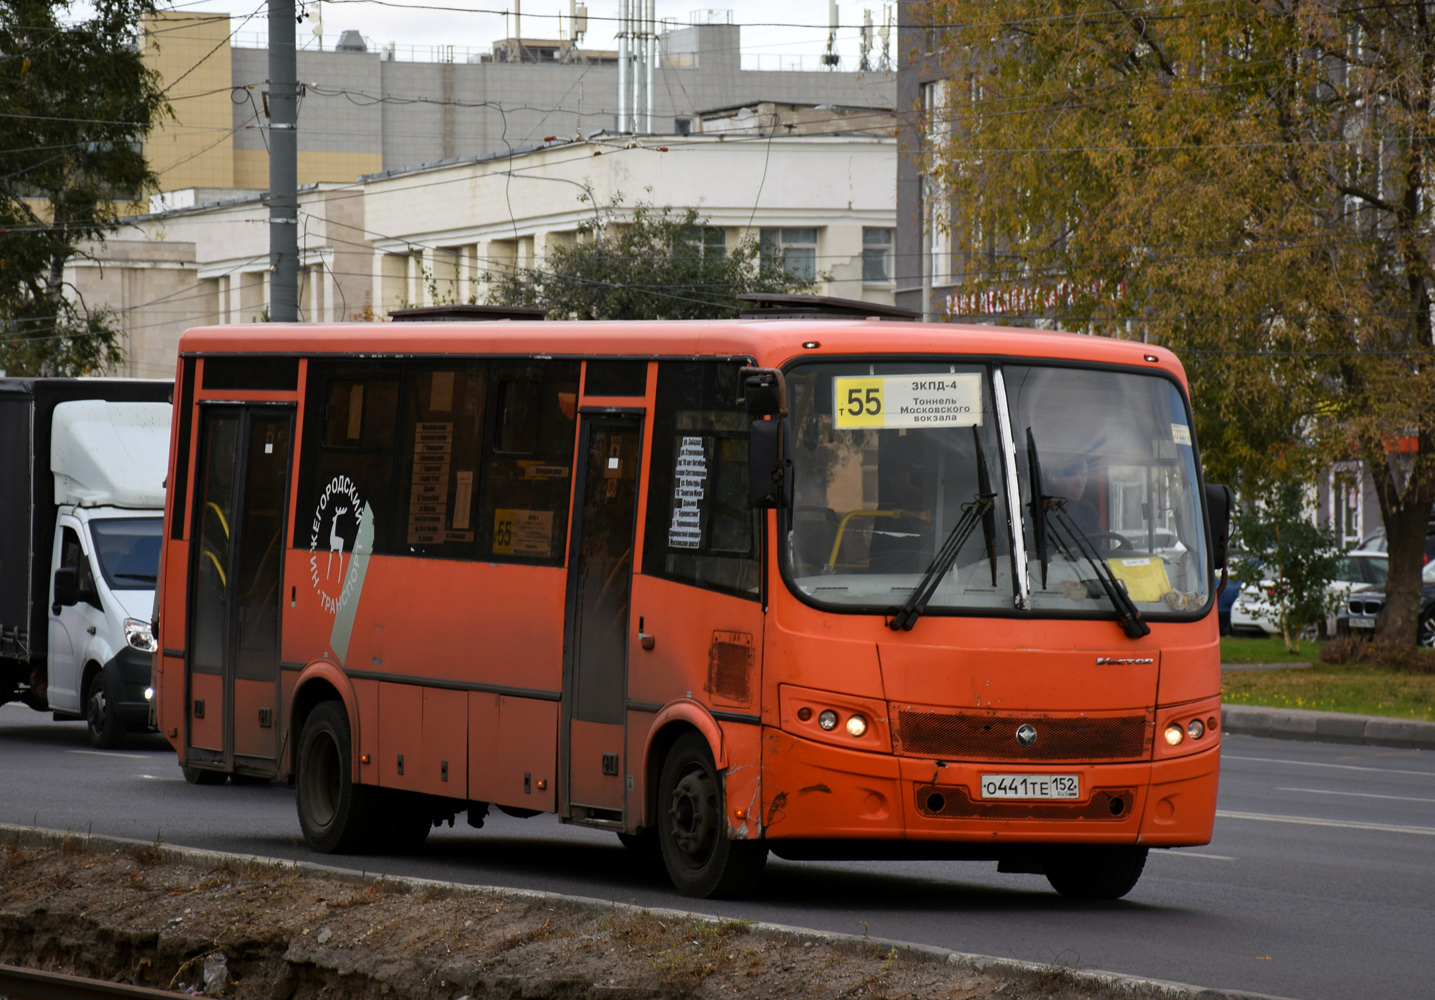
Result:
[{"x": 27, "y": 495}]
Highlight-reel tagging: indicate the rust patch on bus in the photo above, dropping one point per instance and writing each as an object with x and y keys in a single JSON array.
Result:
[{"x": 730, "y": 661}]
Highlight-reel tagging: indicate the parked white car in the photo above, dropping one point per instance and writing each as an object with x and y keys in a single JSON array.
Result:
[{"x": 1252, "y": 612}]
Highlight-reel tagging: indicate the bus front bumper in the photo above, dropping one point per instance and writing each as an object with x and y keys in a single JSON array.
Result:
[{"x": 811, "y": 791}]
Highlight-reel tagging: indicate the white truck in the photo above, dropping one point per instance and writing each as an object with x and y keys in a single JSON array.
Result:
[{"x": 82, "y": 467}]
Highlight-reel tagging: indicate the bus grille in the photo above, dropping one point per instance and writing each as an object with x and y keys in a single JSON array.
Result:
[
  {"x": 950, "y": 736},
  {"x": 953, "y": 802}
]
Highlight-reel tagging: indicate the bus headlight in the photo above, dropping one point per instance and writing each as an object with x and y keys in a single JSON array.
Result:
[
  {"x": 137, "y": 634},
  {"x": 1175, "y": 734},
  {"x": 827, "y": 720},
  {"x": 856, "y": 725},
  {"x": 1196, "y": 729}
]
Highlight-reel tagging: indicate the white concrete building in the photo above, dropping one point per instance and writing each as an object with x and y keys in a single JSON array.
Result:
[{"x": 429, "y": 234}]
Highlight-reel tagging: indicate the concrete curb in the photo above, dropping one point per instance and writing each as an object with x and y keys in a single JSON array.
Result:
[
  {"x": 1327, "y": 727},
  {"x": 1103, "y": 984}
]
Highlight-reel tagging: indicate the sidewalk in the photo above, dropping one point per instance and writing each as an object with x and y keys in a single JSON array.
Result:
[{"x": 1322, "y": 727}]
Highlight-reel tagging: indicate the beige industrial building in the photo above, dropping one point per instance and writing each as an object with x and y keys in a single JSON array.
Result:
[{"x": 364, "y": 111}]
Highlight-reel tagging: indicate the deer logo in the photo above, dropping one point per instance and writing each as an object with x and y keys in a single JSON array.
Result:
[
  {"x": 336, "y": 543},
  {"x": 341, "y": 490}
]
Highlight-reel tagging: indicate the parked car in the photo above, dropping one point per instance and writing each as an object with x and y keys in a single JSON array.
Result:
[
  {"x": 1362, "y": 606},
  {"x": 1252, "y": 613},
  {"x": 1376, "y": 542}
]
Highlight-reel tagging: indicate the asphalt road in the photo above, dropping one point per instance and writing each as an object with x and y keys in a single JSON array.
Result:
[{"x": 1318, "y": 883}]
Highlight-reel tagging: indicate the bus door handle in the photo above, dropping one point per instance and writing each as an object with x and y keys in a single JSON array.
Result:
[{"x": 644, "y": 639}]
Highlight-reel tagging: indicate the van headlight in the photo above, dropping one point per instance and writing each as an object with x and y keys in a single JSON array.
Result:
[{"x": 138, "y": 635}]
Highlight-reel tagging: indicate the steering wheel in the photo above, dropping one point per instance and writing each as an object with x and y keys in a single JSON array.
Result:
[{"x": 1117, "y": 541}]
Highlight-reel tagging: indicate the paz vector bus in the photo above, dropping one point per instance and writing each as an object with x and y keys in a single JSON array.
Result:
[{"x": 825, "y": 588}]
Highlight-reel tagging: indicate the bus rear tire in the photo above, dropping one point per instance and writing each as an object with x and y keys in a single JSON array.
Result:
[
  {"x": 1095, "y": 872},
  {"x": 692, "y": 828},
  {"x": 335, "y": 813}
]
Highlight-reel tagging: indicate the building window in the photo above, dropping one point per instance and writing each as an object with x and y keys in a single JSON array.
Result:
[
  {"x": 707, "y": 241},
  {"x": 682, "y": 126},
  {"x": 798, "y": 246},
  {"x": 876, "y": 255}
]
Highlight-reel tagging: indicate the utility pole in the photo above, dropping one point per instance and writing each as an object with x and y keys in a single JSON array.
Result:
[{"x": 283, "y": 166}]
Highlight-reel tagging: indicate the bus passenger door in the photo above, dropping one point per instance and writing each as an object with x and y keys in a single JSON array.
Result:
[
  {"x": 232, "y": 671},
  {"x": 600, "y": 577}
]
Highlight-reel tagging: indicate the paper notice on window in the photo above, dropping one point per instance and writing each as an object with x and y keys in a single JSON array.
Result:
[
  {"x": 523, "y": 533},
  {"x": 690, "y": 477},
  {"x": 463, "y": 495},
  {"x": 356, "y": 412},
  {"x": 1181, "y": 434},
  {"x": 441, "y": 392},
  {"x": 428, "y": 489},
  {"x": 887, "y": 401}
]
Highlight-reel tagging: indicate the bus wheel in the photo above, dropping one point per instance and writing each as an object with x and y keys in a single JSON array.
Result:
[
  {"x": 1095, "y": 872},
  {"x": 334, "y": 812},
  {"x": 202, "y": 775},
  {"x": 106, "y": 730},
  {"x": 700, "y": 859}
]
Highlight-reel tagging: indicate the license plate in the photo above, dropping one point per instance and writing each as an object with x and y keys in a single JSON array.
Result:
[
  {"x": 1362, "y": 623},
  {"x": 1031, "y": 786}
]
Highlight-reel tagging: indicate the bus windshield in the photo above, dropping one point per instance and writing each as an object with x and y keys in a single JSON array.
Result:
[{"x": 895, "y": 462}]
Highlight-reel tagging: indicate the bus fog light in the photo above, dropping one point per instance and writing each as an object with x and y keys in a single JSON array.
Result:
[
  {"x": 827, "y": 720},
  {"x": 856, "y": 725},
  {"x": 1174, "y": 733},
  {"x": 1196, "y": 729}
]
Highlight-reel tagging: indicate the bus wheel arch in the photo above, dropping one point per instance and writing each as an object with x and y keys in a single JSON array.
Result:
[
  {"x": 320, "y": 682},
  {"x": 670, "y": 724},
  {"x": 690, "y": 815}
]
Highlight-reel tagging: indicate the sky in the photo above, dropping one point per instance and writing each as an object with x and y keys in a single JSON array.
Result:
[{"x": 771, "y": 29}]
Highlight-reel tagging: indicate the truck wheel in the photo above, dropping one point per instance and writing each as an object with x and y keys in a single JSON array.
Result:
[
  {"x": 106, "y": 730},
  {"x": 1095, "y": 872},
  {"x": 336, "y": 814},
  {"x": 692, "y": 827}
]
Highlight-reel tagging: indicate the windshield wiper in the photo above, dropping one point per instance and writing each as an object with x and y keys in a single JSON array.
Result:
[
  {"x": 1072, "y": 538},
  {"x": 972, "y": 513}
]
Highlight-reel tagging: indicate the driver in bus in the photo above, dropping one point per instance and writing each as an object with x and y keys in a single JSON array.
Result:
[{"x": 1069, "y": 482}]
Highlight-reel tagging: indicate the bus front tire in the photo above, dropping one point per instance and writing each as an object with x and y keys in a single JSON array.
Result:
[
  {"x": 1095, "y": 872},
  {"x": 692, "y": 819},
  {"x": 335, "y": 813}
]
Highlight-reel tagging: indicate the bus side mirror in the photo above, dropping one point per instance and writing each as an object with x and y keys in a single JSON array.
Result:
[
  {"x": 1218, "y": 514},
  {"x": 67, "y": 588},
  {"x": 766, "y": 470},
  {"x": 762, "y": 395}
]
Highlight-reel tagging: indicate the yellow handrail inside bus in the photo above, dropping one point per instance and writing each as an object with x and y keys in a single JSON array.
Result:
[
  {"x": 219, "y": 514},
  {"x": 923, "y": 515},
  {"x": 223, "y": 579}
]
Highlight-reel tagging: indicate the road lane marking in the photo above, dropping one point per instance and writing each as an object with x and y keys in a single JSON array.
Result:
[
  {"x": 1423, "y": 831},
  {"x": 1338, "y": 767},
  {"x": 111, "y": 753},
  {"x": 1358, "y": 795},
  {"x": 1174, "y": 853}
]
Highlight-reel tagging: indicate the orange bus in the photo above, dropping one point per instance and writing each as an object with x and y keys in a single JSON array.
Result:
[{"x": 826, "y": 588}]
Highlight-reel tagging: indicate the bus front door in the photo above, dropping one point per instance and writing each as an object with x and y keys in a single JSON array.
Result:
[
  {"x": 232, "y": 670},
  {"x": 600, "y": 580}
]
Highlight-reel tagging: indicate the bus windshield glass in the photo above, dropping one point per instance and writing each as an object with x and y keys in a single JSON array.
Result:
[{"x": 896, "y": 465}]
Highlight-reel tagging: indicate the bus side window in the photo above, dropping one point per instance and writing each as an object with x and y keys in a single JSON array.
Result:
[
  {"x": 441, "y": 442},
  {"x": 700, "y": 529},
  {"x": 351, "y": 423},
  {"x": 528, "y": 461}
]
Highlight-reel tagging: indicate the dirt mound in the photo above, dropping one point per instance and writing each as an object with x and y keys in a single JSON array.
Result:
[{"x": 249, "y": 929}]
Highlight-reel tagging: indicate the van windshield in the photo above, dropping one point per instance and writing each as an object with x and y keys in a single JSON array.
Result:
[
  {"x": 127, "y": 549},
  {"x": 889, "y": 456}
]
